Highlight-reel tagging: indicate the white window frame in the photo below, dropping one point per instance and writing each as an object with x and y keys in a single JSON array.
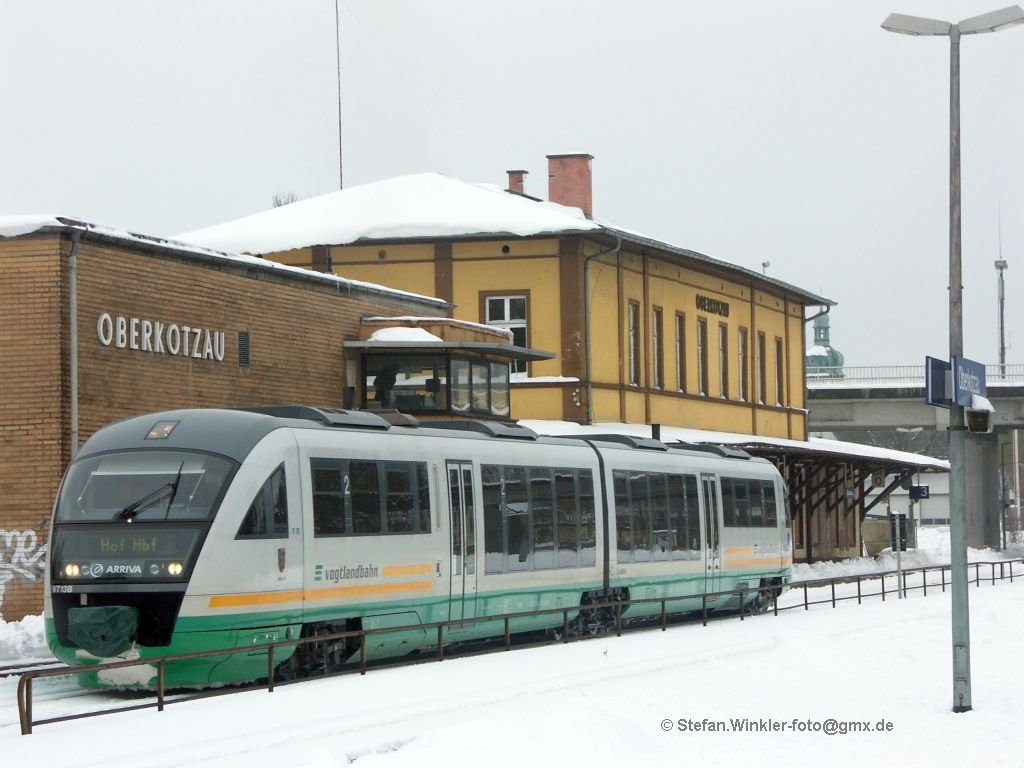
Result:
[{"x": 506, "y": 322}]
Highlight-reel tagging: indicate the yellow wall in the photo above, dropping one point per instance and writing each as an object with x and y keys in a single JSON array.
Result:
[
  {"x": 604, "y": 322},
  {"x": 660, "y": 283},
  {"x": 382, "y": 254},
  {"x": 298, "y": 257},
  {"x": 537, "y": 402},
  {"x": 405, "y": 267},
  {"x": 534, "y": 267},
  {"x": 536, "y": 277}
]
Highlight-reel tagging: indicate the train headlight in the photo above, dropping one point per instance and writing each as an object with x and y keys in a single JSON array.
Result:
[
  {"x": 175, "y": 569},
  {"x": 72, "y": 570},
  {"x": 154, "y": 569}
]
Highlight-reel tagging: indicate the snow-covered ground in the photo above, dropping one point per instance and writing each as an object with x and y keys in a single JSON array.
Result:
[{"x": 762, "y": 691}]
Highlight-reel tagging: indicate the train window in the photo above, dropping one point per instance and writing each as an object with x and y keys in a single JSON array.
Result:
[
  {"x": 364, "y": 496},
  {"x": 741, "y": 502},
  {"x": 749, "y": 503},
  {"x": 267, "y": 517},
  {"x": 542, "y": 507},
  {"x": 588, "y": 519},
  {"x": 659, "y": 517},
  {"x": 328, "y": 497},
  {"x": 494, "y": 545},
  {"x": 684, "y": 517},
  {"x": 423, "y": 482},
  {"x": 640, "y": 506},
  {"x": 568, "y": 526},
  {"x": 152, "y": 485},
  {"x": 537, "y": 518},
  {"x": 400, "y": 510},
  {"x": 757, "y": 507},
  {"x": 623, "y": 526},
  {"x": 728, "y": 506},
  {"x": 771, "y": 513},
  {"x": 517, "y": 515},
  {"x": 367, "y": 497}
]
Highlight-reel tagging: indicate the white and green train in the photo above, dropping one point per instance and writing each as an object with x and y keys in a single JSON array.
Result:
[{"x": 206, "y": 529}]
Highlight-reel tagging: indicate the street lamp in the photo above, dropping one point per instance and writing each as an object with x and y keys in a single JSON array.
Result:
[{"x": 915, "y": 25}]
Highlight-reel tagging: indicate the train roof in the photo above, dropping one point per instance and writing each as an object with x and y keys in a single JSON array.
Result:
[
  {"x": 231, "y": 433},
  {"x": 235, "y": 432}
]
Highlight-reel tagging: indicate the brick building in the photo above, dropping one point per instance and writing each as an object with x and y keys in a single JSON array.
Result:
[{"x": 98, "y": 324}]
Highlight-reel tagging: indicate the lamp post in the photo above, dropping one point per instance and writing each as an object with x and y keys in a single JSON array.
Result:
[{"x": 915, "y": 25}]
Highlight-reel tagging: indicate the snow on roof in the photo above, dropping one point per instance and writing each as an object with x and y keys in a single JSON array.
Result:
[
  {"x": 15, "y": 226},
  {"x": 12, "y": 226},
  {"x": 450, "y": 321},
  {"x": 403, "y": 333},
  {"x": 425, "y": 205},
  {"x": 419, "y": 205},
  {"x": 683, "y": 434}
]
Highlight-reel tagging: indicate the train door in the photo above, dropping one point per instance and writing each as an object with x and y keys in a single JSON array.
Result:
[
  {"x": 462, "y": 600},
  {"x": 712, "y": 535}
]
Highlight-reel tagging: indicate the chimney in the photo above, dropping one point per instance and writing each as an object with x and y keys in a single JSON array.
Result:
[
  {"x": 515, "y": 181},
  {"x": 569, "y": 181}
]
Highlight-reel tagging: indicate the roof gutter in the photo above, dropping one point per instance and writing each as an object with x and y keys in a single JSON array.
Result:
[
  {"x": 825, "y": 308},
  {"x": 586, "y": 317}
]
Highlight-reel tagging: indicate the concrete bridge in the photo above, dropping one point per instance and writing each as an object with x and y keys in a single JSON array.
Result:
[
  {"x": 884, "y": 405},
  {"x": 891, "y": 397}
]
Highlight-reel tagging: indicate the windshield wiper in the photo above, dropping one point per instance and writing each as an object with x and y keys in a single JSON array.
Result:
[{"x": 151, "y": 498}]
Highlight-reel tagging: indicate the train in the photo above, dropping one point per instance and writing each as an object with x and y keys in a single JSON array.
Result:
[{"x": 200, "y": 530}]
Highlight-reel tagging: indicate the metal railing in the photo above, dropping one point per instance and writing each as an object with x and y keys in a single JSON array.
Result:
[
  {"x": 709, "y": 603},
  {"x": 819, "y": 377}
]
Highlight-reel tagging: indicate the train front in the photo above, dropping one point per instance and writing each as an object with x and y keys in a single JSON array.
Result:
[{"x": 129, "y": 523}]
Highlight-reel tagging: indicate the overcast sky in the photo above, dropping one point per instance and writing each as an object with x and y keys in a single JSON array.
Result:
[{"x": 797, "y": 133}]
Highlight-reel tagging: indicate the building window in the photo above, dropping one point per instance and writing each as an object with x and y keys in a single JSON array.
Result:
[
  {"x": 702, "y": 355},
  {"x": 634, "y": 343},
  {"x": 723, "y": 360},
  {"x": 510, "y": 313},
  {"x": 779, "y": 378},
  {"x": 744, "y": 373},
  {"x": 762, "y": 371},
  {"x": 416, "y": 383},
  {"x": 680, "y": 352},
  {"x": 659, "y": 352}
]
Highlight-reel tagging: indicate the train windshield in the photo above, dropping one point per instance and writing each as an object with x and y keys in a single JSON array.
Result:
[{"x": 142, "y": 486}]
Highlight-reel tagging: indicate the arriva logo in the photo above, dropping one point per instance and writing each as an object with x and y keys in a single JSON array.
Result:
[{"x": 101, "y": 570}]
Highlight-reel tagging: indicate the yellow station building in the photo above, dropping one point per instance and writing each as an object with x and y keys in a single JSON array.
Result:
[{"x": 643, "y": 331}]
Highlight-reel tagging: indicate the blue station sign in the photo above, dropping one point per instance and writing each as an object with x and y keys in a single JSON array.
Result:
[
  {"x": 968, "y": 380},
  {"x": 937, "y": 384}
]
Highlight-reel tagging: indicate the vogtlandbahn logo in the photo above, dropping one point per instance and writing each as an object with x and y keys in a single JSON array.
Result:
[{"x": 345, "y": 573}]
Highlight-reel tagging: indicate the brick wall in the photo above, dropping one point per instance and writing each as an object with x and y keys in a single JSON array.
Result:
[
  {"x": 296, "y": 330},
  {"x": 31, "y": 420}
]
